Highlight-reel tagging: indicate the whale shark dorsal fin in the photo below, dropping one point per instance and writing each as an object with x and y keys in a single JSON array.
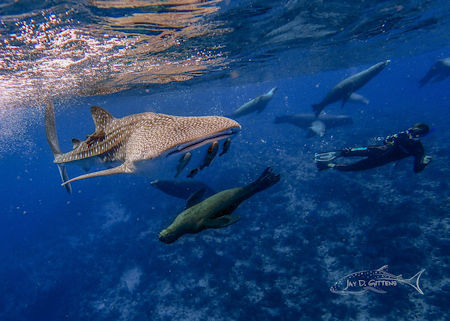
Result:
[
  {"x": 383, "y": 268},
  {"x": 76, "y": 142},
  {"x": 101, "y": 118}
]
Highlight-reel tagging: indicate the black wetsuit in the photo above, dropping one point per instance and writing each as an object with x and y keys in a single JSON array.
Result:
[{"x": 396, "y": 147}]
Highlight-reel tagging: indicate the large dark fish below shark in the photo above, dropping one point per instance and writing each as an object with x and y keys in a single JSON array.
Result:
[
  {"x": 312, "y": 123},
  {"x": 136, "y": 143},
  {"x": 214, "y": 212},
  {"x": 344, "y": 89}
]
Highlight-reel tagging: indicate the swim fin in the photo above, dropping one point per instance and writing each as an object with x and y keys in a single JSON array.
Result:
[{"x": 326, "y": 157}]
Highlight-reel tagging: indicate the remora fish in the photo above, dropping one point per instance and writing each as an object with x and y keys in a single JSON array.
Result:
[
  {"x": 305, "y": 121},
  {"x": 257, "y": 104},
  {"x": 438, "y": 72},
  {"x": 212, "y": 152},
  {"x": 226, "y": 146},
  {"x": 344, "y": 89},
  {"x": 136, "y": 140},
  {"x": 214, "y": 212},
  {"x": 184, "y": 160},
  {"x": 373, "y": 280}
]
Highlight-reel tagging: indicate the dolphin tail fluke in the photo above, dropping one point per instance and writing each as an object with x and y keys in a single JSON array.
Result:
[
  {"x": 414, "y": 281},
  {"x": 267, "y": 179},
  {"x": 52, "y": 138}
]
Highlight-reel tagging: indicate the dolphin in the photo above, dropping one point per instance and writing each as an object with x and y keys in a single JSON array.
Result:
[
  {"x": 136, "y": 141},
  {"x": 257, "y": 104},
  {"x": 214, "y": 212},
  {"x": 344, "y": 89},
  {"x": 315, "y": 125},
  {"x": 438, "y": 72}
]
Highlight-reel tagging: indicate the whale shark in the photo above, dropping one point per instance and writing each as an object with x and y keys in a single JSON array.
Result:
[{"x": 133, "y": 143}]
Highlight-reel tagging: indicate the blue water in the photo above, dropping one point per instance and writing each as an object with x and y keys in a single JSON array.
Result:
[{"x": 95, "y": 255}]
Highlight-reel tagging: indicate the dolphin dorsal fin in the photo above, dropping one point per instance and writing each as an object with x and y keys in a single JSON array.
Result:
[
  {"x": 383, "y": 268},
  {"x": 101, "y": 118}
]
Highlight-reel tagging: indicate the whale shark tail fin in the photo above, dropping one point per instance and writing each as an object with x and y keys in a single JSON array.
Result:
[
  {"x": 414, "y": 281},
  {"x": 52, "y": 138},
  {"x": 317, "y": 109},
  {"x": 267, "y": 179}
]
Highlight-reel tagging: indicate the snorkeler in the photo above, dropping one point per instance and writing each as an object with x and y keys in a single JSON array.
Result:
[{"x": 394, "y": 148}]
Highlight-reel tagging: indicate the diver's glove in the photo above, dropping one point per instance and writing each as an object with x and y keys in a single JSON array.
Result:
[{"x": 427, "y": 159}]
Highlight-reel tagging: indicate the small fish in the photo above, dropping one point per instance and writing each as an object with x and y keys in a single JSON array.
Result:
[
  {"x": 373, "y": 280},
  {"x": 192, "y": 173},
  {"x": 212, "y": 152},
  {"x": 184, "y": 160},
  {"x": 226, "y": 146}
]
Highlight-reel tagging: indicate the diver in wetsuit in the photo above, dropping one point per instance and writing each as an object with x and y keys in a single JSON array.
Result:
[{"x": 395, "y": 147}]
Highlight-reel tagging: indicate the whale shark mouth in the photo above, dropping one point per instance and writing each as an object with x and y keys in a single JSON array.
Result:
[{"x": 186, "y": 147}]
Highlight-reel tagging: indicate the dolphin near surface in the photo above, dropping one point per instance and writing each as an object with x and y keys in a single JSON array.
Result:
[
  {"x": 214, "y": 212},
  {"x": 134, "y": 143},
  {"x": 257, "y": 104},
  {"x": 344, "y": 89},
  {"x": 438, "y": 72},
  {"x": 315, "y": 125}
]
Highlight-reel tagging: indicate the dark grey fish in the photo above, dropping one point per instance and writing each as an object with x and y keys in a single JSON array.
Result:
[
  {"x": 184, "y": 160},
  {"x": 377, "y": 281},
  {"x": 344, "y": 89},
  {"x": 306, "y": 121},
  {"x": 182, "y": 188},
  {"x": 226, "y": 146}
]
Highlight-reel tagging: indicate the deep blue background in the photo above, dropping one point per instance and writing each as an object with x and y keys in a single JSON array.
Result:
[{"x": 70, "y": 257}]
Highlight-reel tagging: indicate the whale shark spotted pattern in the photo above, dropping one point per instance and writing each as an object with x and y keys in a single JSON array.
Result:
[{"x": 136, "y": 138}]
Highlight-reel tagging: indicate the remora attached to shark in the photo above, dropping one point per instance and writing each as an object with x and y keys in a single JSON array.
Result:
[{"x": 132, "y": 141}]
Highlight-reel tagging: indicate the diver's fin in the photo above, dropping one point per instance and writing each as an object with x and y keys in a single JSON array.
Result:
[
  {"x": 52, "y": 139},
  {"x": 122, "y": 169},
  {"x": 221, "y": 221},
  {"x": 101, "y": 118},
  {"x": 370, "y": 288},
  {"x": 414, "y": 281},
  {"x": 195, "y": 198},
  {"x": 326, "y": 157}
]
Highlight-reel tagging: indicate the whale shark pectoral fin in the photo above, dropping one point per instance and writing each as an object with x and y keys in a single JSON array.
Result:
[
  {"x": 221, "y": 221},
  {"x": 65, "y": 178},
  {"x": 125, "y": 168},
  {"x": 195, "y": 197},
  {"x": 370, "y": 288}
]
